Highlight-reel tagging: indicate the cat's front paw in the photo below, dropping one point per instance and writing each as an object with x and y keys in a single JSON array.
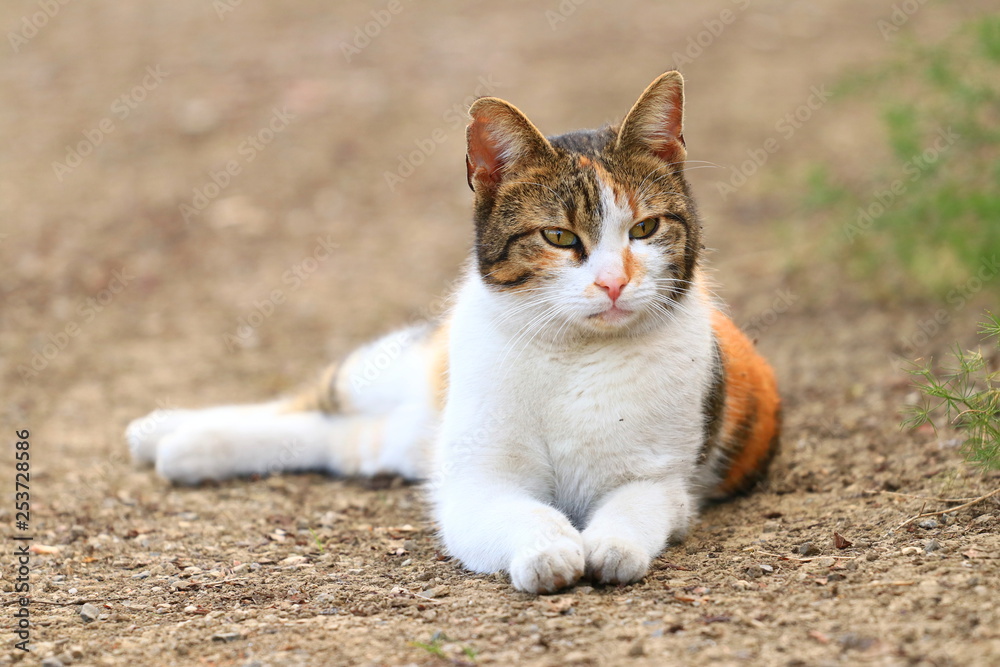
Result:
[
  {"x": 549, "y": 569},
  {"x": 614, "y": 560}
]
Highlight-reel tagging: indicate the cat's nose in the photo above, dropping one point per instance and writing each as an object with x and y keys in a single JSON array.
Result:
[{"x": 611, "y": 282}]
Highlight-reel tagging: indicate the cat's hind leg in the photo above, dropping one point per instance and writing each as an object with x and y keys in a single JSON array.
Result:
[
  {"x": 273, "y": 443},
  {"x": 144, "y": 434},
  {"x": 374, "y": 413}
]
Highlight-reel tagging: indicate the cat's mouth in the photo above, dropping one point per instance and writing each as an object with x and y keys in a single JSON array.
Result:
[{"x": 612, "y": 315}]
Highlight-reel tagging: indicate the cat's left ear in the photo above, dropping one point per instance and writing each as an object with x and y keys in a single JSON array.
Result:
[
  {"x": 656, "y": 122},
  {"x": 501, "y": 139}
]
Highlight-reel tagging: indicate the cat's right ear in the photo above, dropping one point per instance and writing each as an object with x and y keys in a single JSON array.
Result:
[{"x": 500, "y": 138}]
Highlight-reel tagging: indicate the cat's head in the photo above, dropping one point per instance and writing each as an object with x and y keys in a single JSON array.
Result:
[{"x": 592, "y": 230}]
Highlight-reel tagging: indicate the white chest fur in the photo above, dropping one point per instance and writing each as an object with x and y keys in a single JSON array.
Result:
[{"x": 570, "y": 420}]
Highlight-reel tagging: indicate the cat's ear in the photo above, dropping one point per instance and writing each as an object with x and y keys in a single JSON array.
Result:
[
  {"x": 656, "y": 122},
  {"x": 500, "y": 138}
]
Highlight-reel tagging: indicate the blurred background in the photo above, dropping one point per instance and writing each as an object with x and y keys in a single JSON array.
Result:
[
  {"x": 204, "y": 202},
  {"x": 277, "y": 182}
]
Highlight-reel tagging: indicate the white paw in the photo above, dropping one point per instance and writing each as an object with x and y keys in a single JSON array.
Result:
[
  {"x": 196, "y": 453},
  {"x": 144, "y": 434},
  {"x": 614, "y": 560},
  {"x": 546, "y": 570}
]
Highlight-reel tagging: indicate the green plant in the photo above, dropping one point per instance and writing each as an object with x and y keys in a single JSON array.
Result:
[
  {"x": 433, "y": 647},
  {"x": 926, "y": 220},
  {"x": 318, "y": 541},
  {"x": 968, "y": 394}
]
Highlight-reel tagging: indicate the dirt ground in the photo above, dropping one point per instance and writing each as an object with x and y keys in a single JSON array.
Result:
[{"x": 116, "y": 299}]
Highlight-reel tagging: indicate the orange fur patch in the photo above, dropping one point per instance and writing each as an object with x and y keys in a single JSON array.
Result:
[
  {"x": 630, "y": 264},
  {"x": 752, "y": 414},
  {"x": 438, "y": 344}
]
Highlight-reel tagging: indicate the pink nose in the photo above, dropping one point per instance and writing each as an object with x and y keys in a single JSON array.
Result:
[{"x": 612, "y": 283}]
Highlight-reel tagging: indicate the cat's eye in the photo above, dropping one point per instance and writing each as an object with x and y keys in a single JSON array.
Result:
[
  {"x": 562, "y": 238},
  {"x": 644, "y": 228}
]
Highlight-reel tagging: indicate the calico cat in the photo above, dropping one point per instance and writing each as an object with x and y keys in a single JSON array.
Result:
[{"x": 584, "y": 394}]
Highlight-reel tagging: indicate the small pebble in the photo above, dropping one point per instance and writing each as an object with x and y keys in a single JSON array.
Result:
[
  {"x": 89, "y": 612},
  {"x": 982, "y": 520},
  {"x": 855, "y": 641},
  {"x": 142, "y": 575},
  {"x": 197, "y": 116},
  {"x": 871, "y": 555},
  {"x": 226, "y": 637},
  {"x": 807, "y": 549},
  {"x": 52, "y": 662},
  {"x": 436, "y": 592},
  {"x": 753, "y": 571},
  {"x": 931, "y": 545},
  {"x": 910, "y": 551},
  {"x": 929, "y": 524},
  {"x": 835, "y": 576},
  {"x": 636, "y": 650}
]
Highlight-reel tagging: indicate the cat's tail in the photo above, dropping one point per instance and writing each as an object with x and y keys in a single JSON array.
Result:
[{"x": 375, "y": 412}]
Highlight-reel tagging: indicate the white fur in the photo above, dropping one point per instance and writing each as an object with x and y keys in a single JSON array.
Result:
[{"x": 567, "y": 446}]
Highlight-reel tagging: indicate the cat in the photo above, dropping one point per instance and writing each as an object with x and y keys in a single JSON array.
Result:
[{"x": 585, "y": 394}]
